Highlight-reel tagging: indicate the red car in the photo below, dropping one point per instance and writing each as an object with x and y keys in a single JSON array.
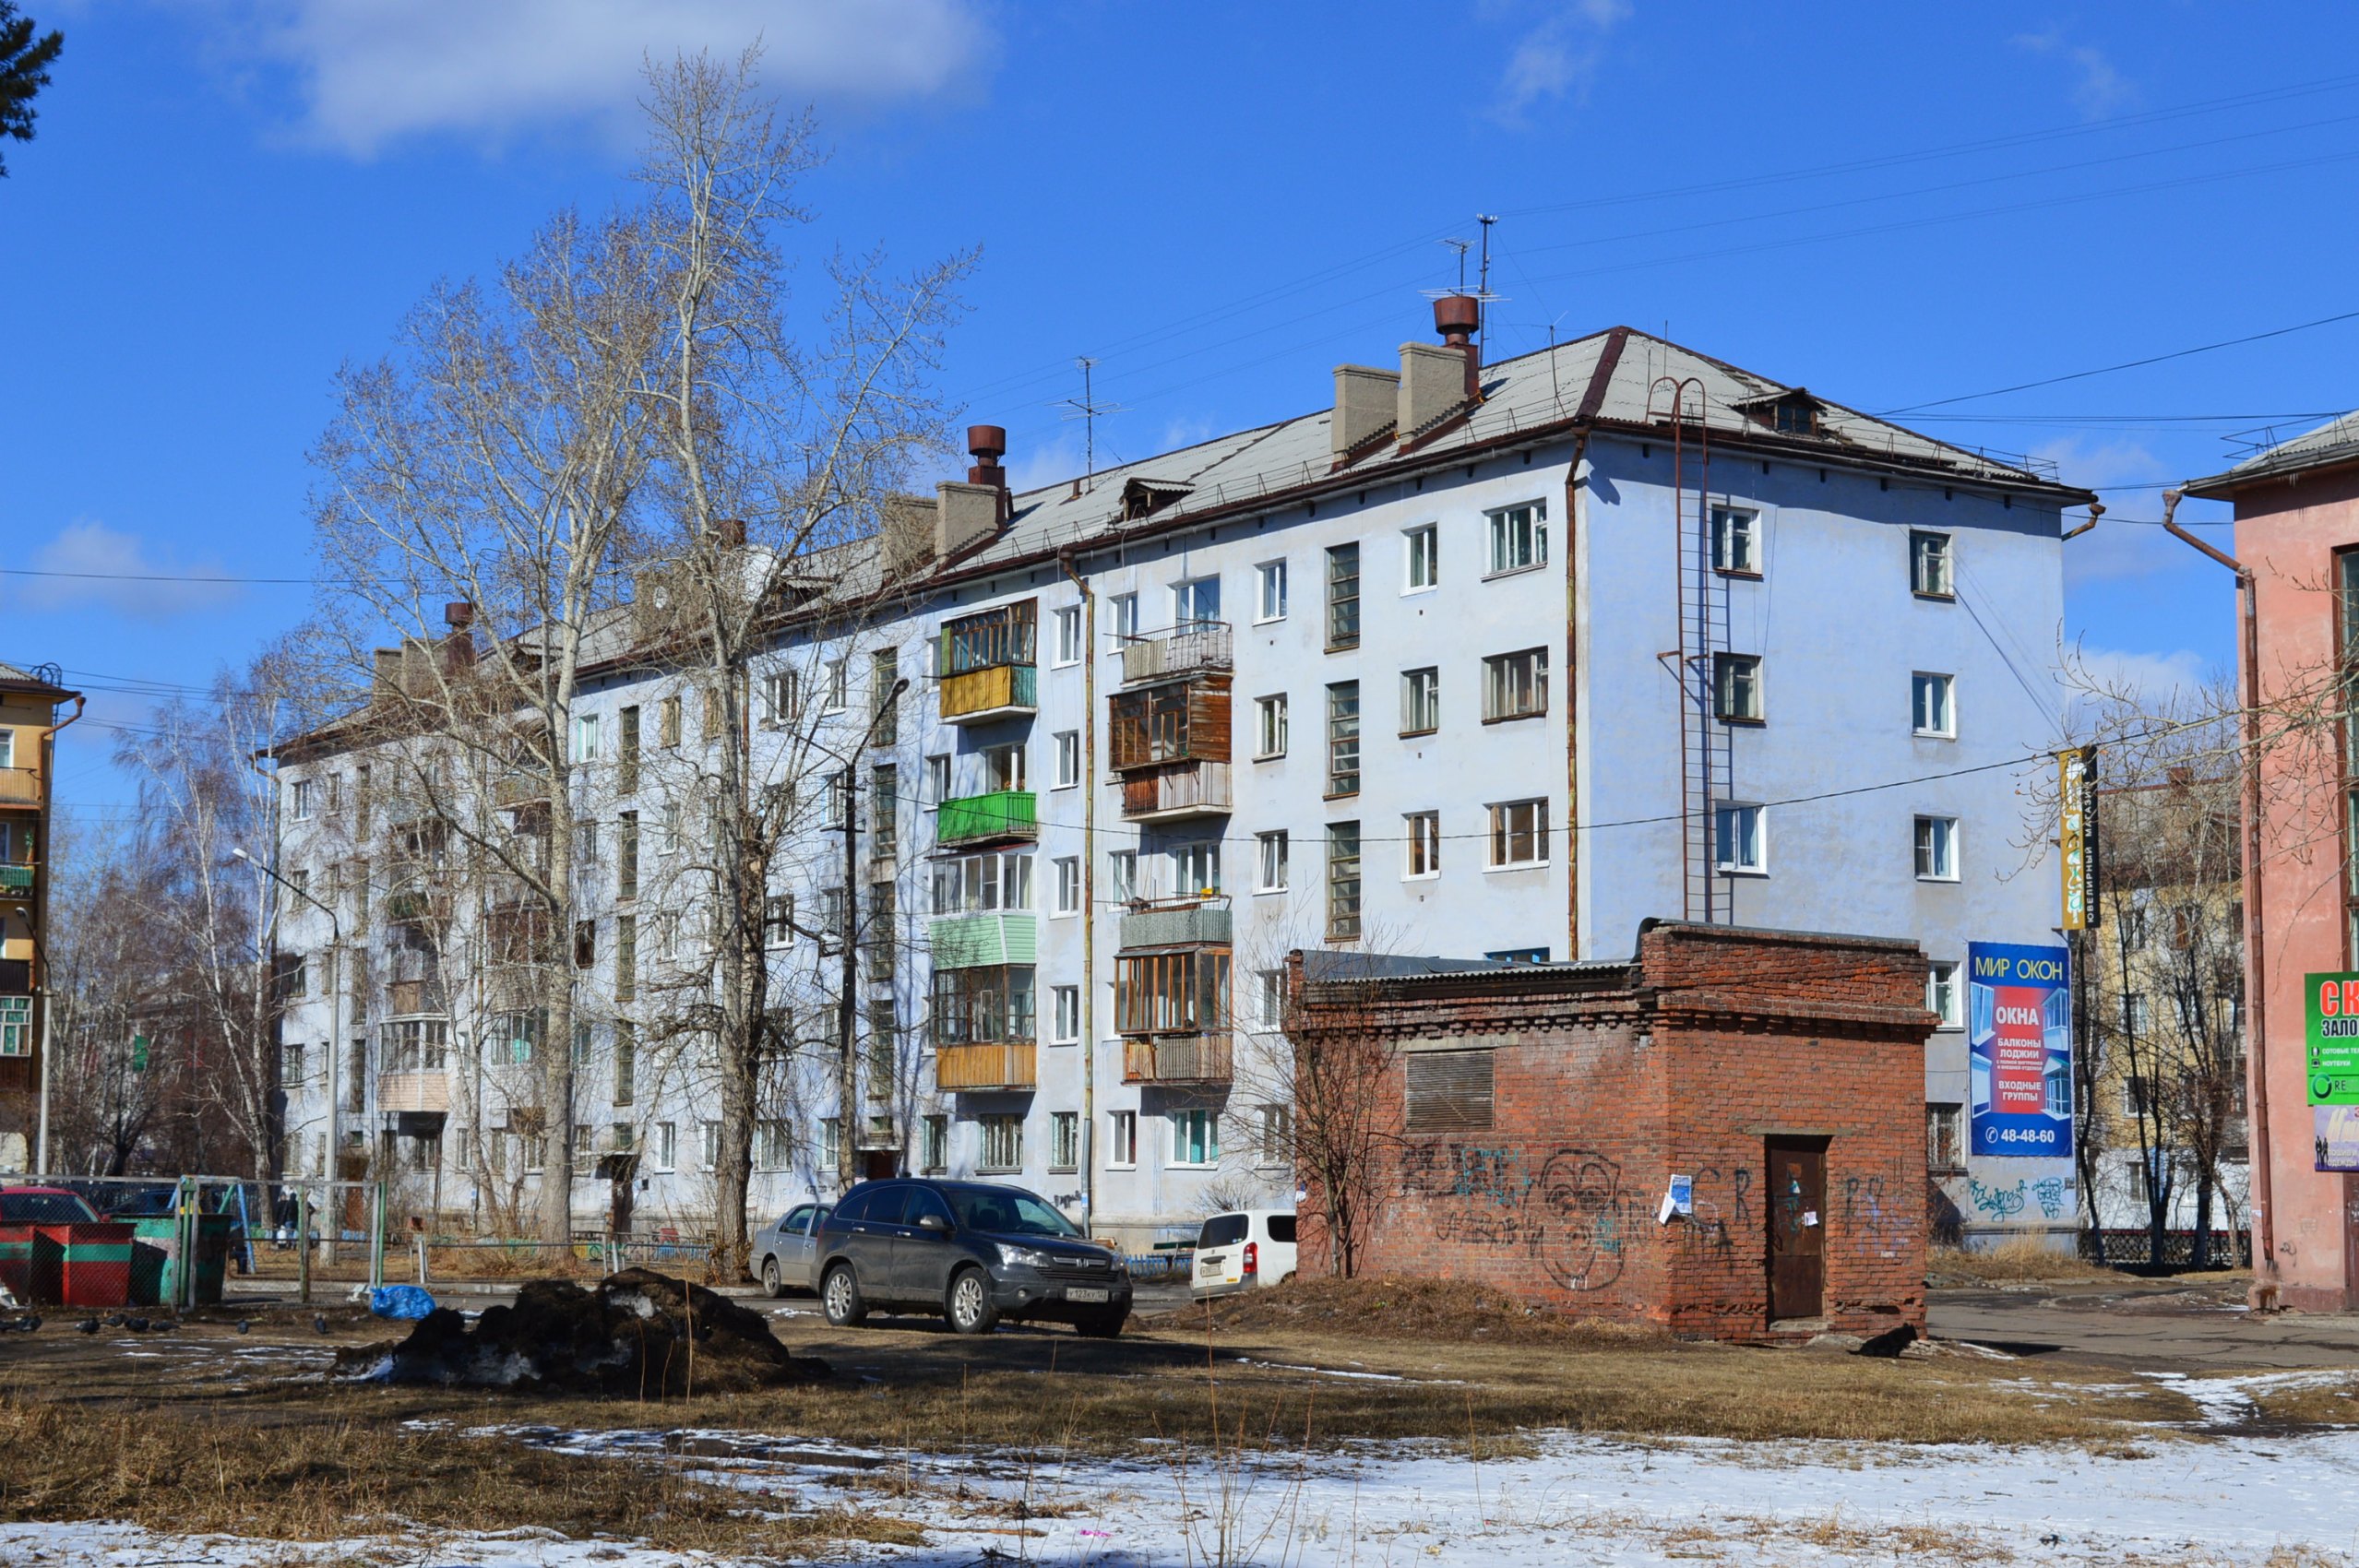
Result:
[{"x": 44, "y": 1205}]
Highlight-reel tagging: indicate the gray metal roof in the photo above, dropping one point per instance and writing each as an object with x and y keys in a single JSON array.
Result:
[{"x": 2337, "y": 441}]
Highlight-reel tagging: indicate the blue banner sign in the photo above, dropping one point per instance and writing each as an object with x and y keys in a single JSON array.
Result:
[{"x": 2018, "y": 1028}]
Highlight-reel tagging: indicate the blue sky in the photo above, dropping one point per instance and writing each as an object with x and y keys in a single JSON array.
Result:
[{"x": 1892, "y": 205}]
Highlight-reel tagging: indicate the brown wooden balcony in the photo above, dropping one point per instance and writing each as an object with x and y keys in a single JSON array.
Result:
[
  {"x": 1178, "y": 1059},
  {"x": 1177, "y": 792},
  {"x": 998, "y": 1064}
]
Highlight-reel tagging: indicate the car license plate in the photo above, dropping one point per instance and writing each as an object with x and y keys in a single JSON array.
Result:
[
  {"x": 1087, "y": 1293},
  {"x": 1208, "y": 1266}
]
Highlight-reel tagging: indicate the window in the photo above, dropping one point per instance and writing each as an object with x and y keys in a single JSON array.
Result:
[
  {"x": 1069, "y": 635},
  {"x": 1065, "y": 1014},
  {"x": 837, "y": 673},
  {"x": 778, "y": 920},
  {"x": 1945, "y": 1141},
  {"x": 1514, "y": 685},
  {"x": 626, "y": 856},
  {"x": 1342, "y": 597},
  {"x": 1929, "y": 575},
  {"x": 1272, "y": 995},
  {"x": 938, "y": 782},
  {"x": 1421, "y": 701},
  {"x": 979, "y": 884},
  {"x": 1172, "y": 992},
  {"x": 1068, "y": 884},
  {"x": 667, "y": 721},
  {"x": 1424, "y": 562},
  {"x": 1937, "y": 849},
  {"x": 2136, "y": 1016},
  {"x": 1343, "y": 737},
  {"x": 1272, "y": 853},
  {"x": 782, "y": 697},
  {"x": 1929, "y": 706},
  {"x": 585, "y": 738},
  {"x": 831, "y": 1143},
  {"x": 1520, "y": 833},
  {"x": 1738, "y": 848},
  {"x": 831, "y": 918},
  {"x": 1003, "y": 1142},
  {"x": 883, "y": 699},
  {"x": 1068, "y": 758},
  {"x": 1270, "y": 727},
  {"x": 884, "y": 1047},
  {"x": 1342, "y": 881},
  {"x": 1002, "y": 768},
  {"x": 1194, "y": 600},
  {"x": 1518, "y": 955},
  {"x": 291, "y": 1067},
  {"x": 708, "y": 1145},
  {"x": 1944, "y": 997},
  {"x": 883, "y": 809},
  {"x": 1734, "y": 548},
  {"x": 1196, "y": 1137},
  {"x": 627, "y": 956},
  {"x": 933, "y": 1144},
  {"x": 626, "y": 750},
  {"x": 1065, "y": 1140},
  {"x": 626, "y": 1052},
  {"x": 1425, "y": 837},
  {"x": 773, "y": 1146},
  {"x": 1269, "y": 591},
  {"x": 1123, "y": 609},
  {"x": 838, "y": 800},
  {"x": 671, "y": 827},
  {"x": 1519, "y": 536},
  {"x": 1122, "y": 876},
  {"x": 1447, "y": 1091},
  {"x": 1736, "y": 688},
  {"x": 663, "y": 1144},
  {"x": 585, "y": 944},
  {"x": 1196, "y": 868},
  {"x": 302, "y": 794},
  {"x": 1122, "y": 1140},
  {"x": 1277, "y": 1142}
]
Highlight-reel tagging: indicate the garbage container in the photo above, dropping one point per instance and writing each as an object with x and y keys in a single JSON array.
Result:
[
  {"x": 155, "y": 1259},
  {"x": 86, "y": 1263},
  {"x": 16, "y": 1260}
]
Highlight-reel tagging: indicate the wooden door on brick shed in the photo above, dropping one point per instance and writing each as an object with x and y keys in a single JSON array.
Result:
[{"x": 1797, "y": 1210}]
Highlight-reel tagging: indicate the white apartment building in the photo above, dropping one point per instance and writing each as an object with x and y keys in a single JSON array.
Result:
[{"x": 1480, "y": 659}]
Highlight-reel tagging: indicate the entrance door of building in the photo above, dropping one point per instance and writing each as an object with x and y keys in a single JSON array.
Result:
[
  {"x": 1797, "y": 1211},
  {"x": 879, "y": 1164}
]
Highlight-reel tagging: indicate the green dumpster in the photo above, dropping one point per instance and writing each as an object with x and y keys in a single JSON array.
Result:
[{"x": 155, "y": 1259}]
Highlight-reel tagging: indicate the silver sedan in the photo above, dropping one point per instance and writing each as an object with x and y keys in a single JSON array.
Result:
[{"x": 785, "y": 1253}]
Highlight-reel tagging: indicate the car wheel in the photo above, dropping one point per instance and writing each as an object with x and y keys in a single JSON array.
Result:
[
  {"x": 840, "y": 1296},
  {"x": 969, "y": 1308},
  {"x": 1101, "y": 1326},
  {"x": 772, "y": 1286}
]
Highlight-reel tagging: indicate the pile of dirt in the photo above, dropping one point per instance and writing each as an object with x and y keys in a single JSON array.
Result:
[
  {"x": 1446, "y": 1311},
  {"x": 634, "y": 1333}
]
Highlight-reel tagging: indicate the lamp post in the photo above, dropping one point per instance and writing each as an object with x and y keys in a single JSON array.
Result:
[
  {"x": 335, "y": 1027},
  {"x": 847, "y": 999}
]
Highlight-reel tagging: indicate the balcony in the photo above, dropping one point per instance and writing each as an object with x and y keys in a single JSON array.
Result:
[
  {"x": 1177, "y": 1059},
  {"x": 416, "y": 906},
  {"x": 1004, "y": 816},
  {"x": 517, "y": 789},
  {"x": 1177, "y": 923},
  {"x": 16, "y": 879},
  {"x": 969, "y": 942},
  {"x": 19, "y": 787},
  {"x": 405, "y": 998},
  {"x": 979, "y": 696},
  {"x": 1177, "y": 792},
  {"x": 1196, "y": 648},
  {"x": 428, "y": 1092},
  {"x": 1007, "y": 1064},
  {"x": 1176, "y": 721}
]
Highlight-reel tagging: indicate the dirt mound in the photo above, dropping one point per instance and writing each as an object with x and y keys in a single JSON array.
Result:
[
  {"x": 634, "y": 1333},
  {"x": 1448, "y": 1311}
]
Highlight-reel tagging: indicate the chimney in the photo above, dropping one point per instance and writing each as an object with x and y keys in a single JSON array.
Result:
[
  {"x": 458, "y": 647},
  {"x": 1439, "y": 379},
  {"x": 1366, "y": 400},
  {"x": 459, "y": 614},
  {"x": 729, "y": 531},
  {"x": 965, "y": 513},
  {"x": 909, "y": 533},
  {"x": 987, "y": 444}
]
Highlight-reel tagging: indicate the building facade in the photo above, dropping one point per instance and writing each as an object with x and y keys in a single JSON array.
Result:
[
  {"x": 29, "y": 700},
  {"x": 1489, "y": 659}
]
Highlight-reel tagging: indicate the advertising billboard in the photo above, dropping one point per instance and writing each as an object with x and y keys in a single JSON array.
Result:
[
  {"x": 2330, "y": 1068},
  {"x": 2019, "y": 1024}
]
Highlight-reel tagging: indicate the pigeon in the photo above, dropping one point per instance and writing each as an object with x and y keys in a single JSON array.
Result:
[
  {"x": 32, "y": 1323},
  {"x": 242, "y": 1324},
  {"x": 162, "y": 1326},
  {"x": 88, "y": 1325},
  {"x": 319, "y": 1322},
  {"x": 136, "y": 1324},
  {"x": 114, "y": 1320}
]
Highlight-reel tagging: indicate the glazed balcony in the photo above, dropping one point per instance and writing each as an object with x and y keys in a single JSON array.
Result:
[
  {"x": 1004, "y": 816},
  {"x": 998, "y": 1064},
  {"x": 1178, "y": 1059},
  {"x": 1177, "y": 792},
  {"x": 986, "y": 666},
  {"x": 981, "y": 696},
  {"x": 983, "y": 940},
  {"x": 1176, "y": 721},
  {"x": 1194, "y": 648}
]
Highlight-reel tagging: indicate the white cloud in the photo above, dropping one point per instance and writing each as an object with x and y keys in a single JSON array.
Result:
[
  {"x": 2118, "y": 546},
  {"x": 1557, "y": 59},
  {"x": 1030, "y": 468},
  {"x": 2099, "y": 90},
  {"x": 2152, "y": 679},
  {"x": 102, "y": 568},
  {"x": 371, "y": 72}
]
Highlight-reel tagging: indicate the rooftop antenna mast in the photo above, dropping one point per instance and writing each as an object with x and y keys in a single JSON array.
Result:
[
  {"x": 1086, "y": 407},
  {"x": 1483, "y": 278}
]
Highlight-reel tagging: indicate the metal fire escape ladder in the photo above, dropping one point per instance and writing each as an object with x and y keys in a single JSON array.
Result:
[{"x": 1704, "y": 751}]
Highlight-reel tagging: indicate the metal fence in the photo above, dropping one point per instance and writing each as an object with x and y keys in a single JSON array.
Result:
[{"x": 2134, "y": 1250}]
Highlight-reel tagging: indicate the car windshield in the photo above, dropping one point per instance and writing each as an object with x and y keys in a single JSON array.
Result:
[
  {"x": 1003, "y": 1211},
  {"x": 50, "y": 1208}
]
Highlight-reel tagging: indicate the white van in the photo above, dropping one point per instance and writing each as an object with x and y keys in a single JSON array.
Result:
[{"x": 1242, "y": 1249}]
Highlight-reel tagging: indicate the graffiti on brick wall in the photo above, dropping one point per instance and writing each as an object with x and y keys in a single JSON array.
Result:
[
  {"x": 1566, "y": 1212},
  {"x": 1873, "y": 1218},
  {"x": 1705, "y": 1235}
]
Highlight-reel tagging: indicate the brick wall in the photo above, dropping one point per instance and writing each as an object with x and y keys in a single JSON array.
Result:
[{"x": 1608, "y": 1079}]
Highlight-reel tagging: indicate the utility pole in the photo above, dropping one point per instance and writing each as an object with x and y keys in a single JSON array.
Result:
[
  {"x": 335, "y": 1041},
  {"x": 847, "y": 994}
]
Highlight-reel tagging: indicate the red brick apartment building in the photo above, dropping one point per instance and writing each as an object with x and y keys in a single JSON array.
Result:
[{"x": 1530, "y": 1121}]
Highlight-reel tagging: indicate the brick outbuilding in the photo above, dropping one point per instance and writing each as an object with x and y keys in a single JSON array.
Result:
[{"x": 1521, "y": 1126}]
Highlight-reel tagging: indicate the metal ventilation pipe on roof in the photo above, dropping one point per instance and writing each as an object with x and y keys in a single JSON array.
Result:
[
  {"x": 1458, "y": 317},
  {"x": 987, "y": 444}
]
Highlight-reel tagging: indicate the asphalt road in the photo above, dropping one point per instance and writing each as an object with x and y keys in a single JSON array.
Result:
[{"x": 2145, "y": 1326}]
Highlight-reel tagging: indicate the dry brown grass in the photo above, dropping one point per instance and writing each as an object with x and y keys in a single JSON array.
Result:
[
  {"x": 1432, "y": 1311},
  {"x": 2312, "y": 1405},
  {"x": 2016, "y": 1263}
]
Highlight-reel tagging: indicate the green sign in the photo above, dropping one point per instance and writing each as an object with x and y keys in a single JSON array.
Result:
[
  {"x": 2330, "y": 1063},
  {"x": 139, "y": 1053}
]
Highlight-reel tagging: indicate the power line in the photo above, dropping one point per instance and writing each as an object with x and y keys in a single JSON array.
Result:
[{"x": 163, "y": 577}]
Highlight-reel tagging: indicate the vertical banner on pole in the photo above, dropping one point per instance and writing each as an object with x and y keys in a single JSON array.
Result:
[
  {"x": 2019, "y": 1029},
  {"x": 2076, "y": 837}
]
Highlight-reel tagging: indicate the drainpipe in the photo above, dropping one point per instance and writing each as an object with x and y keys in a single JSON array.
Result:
[
  {"x": 1089, "y": 891},
  {"x": 2264, "y": 1210}
]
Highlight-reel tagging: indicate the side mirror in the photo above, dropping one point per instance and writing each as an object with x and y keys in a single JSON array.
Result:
[{"x": 933, "y": 1223}]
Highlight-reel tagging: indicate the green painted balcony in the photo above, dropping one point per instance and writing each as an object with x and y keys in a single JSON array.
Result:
[
  {"x": 1000, "y": 936},
  {"x": 1003, "y": 816},
  {"x": 16, "y": 879}
]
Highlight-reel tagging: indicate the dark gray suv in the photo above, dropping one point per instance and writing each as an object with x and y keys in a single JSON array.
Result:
[{"x": 972, "y": 1251}]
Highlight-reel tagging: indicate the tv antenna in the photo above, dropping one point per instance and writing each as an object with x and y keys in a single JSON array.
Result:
[
  {"x": 1483, "y": 278},
  {"x": 1086, "y": 408}
]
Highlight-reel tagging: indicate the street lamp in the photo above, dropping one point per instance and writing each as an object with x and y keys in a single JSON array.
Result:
[{"x": 335, "y": 1023}]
